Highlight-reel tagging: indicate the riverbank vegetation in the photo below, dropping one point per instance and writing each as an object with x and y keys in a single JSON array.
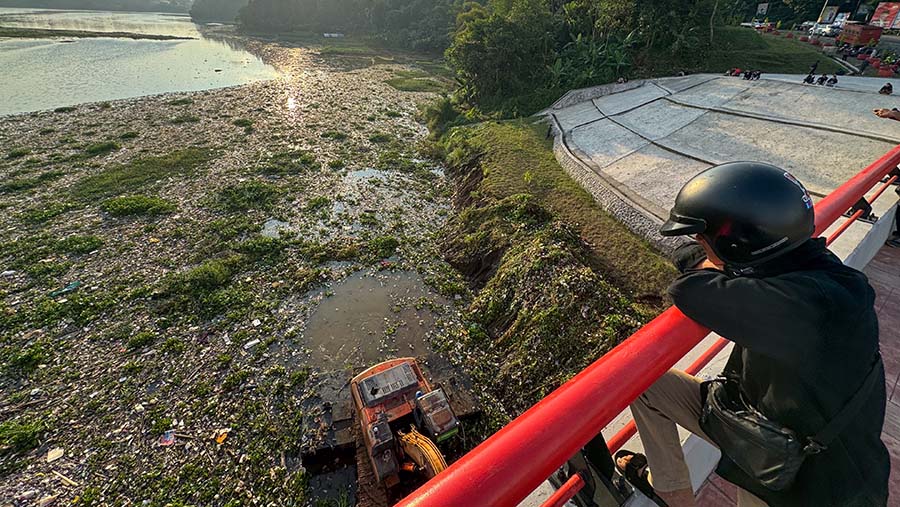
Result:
[
  {"x": 550, "y": 269},
  {"x": 43, "y": 33}
]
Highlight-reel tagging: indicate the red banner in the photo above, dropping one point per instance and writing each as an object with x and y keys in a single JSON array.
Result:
[{"x": 885, "y": 14}]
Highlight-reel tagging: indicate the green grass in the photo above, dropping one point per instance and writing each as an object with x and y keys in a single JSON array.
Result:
[
  {"x": 65, "y": 109},
  {"x": 202, "y": 279},
  {"x": 27, "y": 183},
  {"x": 334, "y": 134},
  {"x": 173, "y": 346},
  {"x": 129, "y": 135},
  {"x": 244, "y": 123},
  {"x": 18, "y": 153},
  {"x": 744, "y": 48},
  {"x": 78, "y": 244},
  {"x": 27, "y": 359},
  {"x": 407, "y": 84},
  {"x": 20, "y": 435},
  {"x": 317, "y": 203},
  {"x": 45, "y": 213},
  {"x": 336, "y": 164},
  {"x": 518, "y": 159},
  {"x": 181, "y": 102},
  {"x": 382, "y": 247},
  {"x": 249, "y": 195},
  {"x": 137, "y": 205},
  {"x": 184, "y": 118},
  {"x": 380, "y": 137},
  {"x": 103, "y": 148},
  {"x": 140, "y": 173},
  {"x": 141, "y": 340},
  {"x": 289, "y": 162}
]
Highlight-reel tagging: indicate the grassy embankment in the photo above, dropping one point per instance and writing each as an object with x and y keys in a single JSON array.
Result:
[
  {"x": 744, "y": 48},
  {"x": 42, "y": 33},
  {"x": 558, "y": 281}
]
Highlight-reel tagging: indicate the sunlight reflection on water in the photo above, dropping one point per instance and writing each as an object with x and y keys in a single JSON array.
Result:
[{"x": 47, "y": 73}]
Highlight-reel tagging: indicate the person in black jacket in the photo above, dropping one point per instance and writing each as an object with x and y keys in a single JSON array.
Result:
[{"x": 805, "y": 337}]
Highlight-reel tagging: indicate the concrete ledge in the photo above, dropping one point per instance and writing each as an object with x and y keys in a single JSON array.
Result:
[
  {"x": 641, "y": 222},
  {"x": 573, "y": 97}
]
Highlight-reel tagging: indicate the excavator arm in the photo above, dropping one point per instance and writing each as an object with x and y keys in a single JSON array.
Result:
[{"x": 423, "y": 452}]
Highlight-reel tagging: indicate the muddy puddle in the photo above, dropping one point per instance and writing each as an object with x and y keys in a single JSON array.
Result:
[{"x": 371, "y": 317}]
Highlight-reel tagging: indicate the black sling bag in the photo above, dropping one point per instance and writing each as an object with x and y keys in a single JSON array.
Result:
[{"x": 765, "y": 450}]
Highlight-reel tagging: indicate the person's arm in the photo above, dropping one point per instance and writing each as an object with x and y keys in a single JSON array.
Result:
[
  {"x": 779, "y": 320},
  {"x": 892, "y": 114}
]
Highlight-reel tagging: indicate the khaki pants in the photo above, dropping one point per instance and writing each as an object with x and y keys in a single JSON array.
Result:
[{"x": 673, "y": 399}]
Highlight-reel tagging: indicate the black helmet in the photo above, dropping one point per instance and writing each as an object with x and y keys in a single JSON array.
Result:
[{"x": 748, "y": 212}]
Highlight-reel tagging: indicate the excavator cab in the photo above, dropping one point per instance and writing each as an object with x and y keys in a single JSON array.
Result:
[{"x": 402, "y": 418}]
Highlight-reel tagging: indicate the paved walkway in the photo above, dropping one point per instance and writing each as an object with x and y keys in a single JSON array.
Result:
[{"x": 884, "y": 275}]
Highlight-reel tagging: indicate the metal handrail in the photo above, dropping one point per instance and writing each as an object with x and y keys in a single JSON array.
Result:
[
  {"x": 509, "y": 465},
  {"x": 629, "y": 430}
]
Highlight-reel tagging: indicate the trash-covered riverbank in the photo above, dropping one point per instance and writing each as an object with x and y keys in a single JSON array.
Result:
[{"x": 161, "y": 258}]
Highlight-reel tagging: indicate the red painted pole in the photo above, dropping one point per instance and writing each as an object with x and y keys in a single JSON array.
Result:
[
  {"x": 566, "y": 492},
  {"x": 829, "y": 209},
  {"x": 510, "y": 464},
  {"x": 858, "y": 213}
]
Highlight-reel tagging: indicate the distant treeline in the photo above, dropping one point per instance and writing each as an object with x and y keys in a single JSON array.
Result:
[
  {"x": 103, "y": 5},
  {"x": 424, "y": 25},
  {"x": 225, "y": 11}
]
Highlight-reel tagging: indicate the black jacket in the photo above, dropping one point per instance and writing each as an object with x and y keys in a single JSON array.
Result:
[{"x": 806, "y": 336}]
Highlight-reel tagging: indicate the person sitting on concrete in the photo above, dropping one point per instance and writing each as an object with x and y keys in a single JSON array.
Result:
[
  {"x": 887, "y": 89},
  {"x": 755, "y": 75},
  {"x": 822, "y": 80},
  {"x": 891, "y": 114},
  {"x": 833, "y": 80},
  {"x": 809, "y": 79},
  {"x": 805, "y": 357}
]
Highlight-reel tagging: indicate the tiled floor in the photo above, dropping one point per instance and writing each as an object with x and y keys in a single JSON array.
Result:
[{"x": 884, "y": 275}]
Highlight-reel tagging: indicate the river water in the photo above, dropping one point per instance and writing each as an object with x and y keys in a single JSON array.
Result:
[{"x": 47, "y": 73}]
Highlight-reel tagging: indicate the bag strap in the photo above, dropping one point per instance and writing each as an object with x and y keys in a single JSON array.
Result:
[{"x": 820, "y": 441}]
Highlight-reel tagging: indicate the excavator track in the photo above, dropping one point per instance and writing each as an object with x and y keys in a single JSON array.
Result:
[{"x": 369, "y": 492}]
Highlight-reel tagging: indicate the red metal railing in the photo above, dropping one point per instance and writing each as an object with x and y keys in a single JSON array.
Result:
[
  {"x": 629, "y": 430},
  {"x": 510, "y": 464}
]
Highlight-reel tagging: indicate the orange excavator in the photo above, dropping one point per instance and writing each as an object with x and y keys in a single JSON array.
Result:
[{"x": 402, "y": 418}]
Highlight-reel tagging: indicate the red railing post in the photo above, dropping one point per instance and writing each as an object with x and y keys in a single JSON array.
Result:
[{"x": 566, "y": 492}]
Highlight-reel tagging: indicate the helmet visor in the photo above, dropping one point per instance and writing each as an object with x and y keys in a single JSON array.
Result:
[{"x": 678, "y": 225}]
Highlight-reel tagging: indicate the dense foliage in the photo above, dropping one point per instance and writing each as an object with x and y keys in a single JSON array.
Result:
[
  {"x": 217, "y": 10},
  {"x": 424, "y": 25},
  {"x": 515, "y": 56}
]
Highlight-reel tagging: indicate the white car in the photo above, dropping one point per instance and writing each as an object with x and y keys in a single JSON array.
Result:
[{"x": 825, "y": 30}]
